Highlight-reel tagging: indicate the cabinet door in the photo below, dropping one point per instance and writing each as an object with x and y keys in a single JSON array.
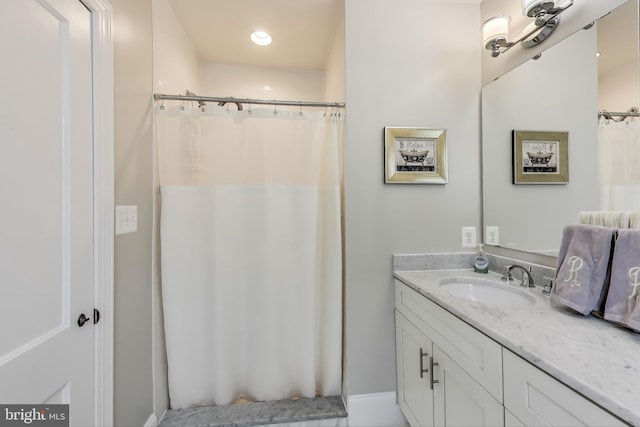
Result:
[
  {"x": 459, "y": 400},
  {"x": 413, "y": 350},
  {"x": 538, "y": 399}
]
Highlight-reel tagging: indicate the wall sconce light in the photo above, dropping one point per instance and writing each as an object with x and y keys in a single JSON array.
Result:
[{"x": 495, "y": 31}]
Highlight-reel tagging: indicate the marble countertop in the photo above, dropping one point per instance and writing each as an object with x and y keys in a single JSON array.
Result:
[{"x": 596, "y": 358}]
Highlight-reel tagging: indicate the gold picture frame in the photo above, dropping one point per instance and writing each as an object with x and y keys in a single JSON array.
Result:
[
  {"x": 540, "y": 157},
  {"x": 415, "y": 155}
]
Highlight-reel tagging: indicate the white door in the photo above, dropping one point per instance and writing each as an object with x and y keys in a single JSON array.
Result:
[{"x": 46, "y": 205}]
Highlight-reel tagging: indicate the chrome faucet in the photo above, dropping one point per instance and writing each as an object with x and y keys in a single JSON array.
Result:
[{"x": 527, "y": 278}]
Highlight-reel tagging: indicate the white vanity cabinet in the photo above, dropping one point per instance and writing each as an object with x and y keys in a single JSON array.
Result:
[
  {"x": 534, "y": 398},
  {"x": 448, "y": 372}
]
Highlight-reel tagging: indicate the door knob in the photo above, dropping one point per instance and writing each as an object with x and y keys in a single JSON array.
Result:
[{"x": 83, "y": 319}]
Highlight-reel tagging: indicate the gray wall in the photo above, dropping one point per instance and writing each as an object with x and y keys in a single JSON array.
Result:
[
  {"x": 133, "y": 378},
  {"x": 411, "y": 63}
]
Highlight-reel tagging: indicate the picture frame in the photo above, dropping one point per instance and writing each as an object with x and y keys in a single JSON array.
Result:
[
  {"x": 540, "y": 157},
  {"x": 415, "y": 155}
]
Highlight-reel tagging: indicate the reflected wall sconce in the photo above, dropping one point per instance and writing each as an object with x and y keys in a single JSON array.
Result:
[{"x": 546, "y": 15}]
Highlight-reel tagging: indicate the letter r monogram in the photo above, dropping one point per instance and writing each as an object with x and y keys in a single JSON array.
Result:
[
  {"x": 575, "y": 264},
  {"x": 634, "y": 282}
]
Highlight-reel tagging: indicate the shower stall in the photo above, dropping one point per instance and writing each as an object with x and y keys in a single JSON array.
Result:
[
  {"x": 251, "y": 263},
  {"x": 248, "y": 267}
]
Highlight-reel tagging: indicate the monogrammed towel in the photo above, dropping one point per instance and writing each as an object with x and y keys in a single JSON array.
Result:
[
  {"x": 623, "y": 300},
  {"x": 583, "y": 263}
]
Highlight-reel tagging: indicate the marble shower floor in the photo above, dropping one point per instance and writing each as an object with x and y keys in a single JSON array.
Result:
[{"x": 315, "y": 412}]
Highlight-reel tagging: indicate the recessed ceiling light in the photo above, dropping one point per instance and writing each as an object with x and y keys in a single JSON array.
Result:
[{"x": 261, "y": 38}]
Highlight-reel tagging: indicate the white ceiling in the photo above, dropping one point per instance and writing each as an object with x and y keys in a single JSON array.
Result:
[
  {"x": 618, "y": 37},
  {"x": 302, "y": 30}
]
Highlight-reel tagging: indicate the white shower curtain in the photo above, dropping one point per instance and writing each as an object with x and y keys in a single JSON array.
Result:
[
  {"x": 619, "y": 165},
  {"x": 251, "y": 253}
]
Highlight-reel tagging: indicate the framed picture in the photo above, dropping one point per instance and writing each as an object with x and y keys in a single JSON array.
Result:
[
  {"x": 415, "y": 156},
  {"x": 540, "y": 157}
]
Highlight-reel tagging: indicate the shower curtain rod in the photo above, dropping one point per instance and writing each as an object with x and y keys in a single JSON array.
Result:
[
  {"x": 239, "y": 101},
  {"x": 632, "y": 112}
]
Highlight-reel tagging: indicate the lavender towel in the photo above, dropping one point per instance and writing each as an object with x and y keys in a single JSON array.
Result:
[
  {"x": 583, "y": 263},
  {"x": 623, "y": 300}
]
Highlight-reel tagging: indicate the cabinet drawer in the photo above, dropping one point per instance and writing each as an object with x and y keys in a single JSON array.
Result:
[
  {"x": 474, "y": 352},
  {"x": 536, "y": 398}
]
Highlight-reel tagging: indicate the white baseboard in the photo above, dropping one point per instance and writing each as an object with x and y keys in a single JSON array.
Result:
[
  {"x": 375, "y": 410},
  {"x": 152, "y": 421}
]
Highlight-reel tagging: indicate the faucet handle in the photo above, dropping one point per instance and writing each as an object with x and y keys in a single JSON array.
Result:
[
  {"x": 507, "y": 274},
  {"x": 547, "y": 288}
]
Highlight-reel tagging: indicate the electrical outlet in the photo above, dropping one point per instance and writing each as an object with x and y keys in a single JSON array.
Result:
[
  {"x": 126, "y": 219},
  {"x": 492, "y": 235},
  {"x": 468, "y": 237}
]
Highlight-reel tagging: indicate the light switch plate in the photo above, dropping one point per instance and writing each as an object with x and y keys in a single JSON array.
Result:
[
  {"x": 468, "y": 237},
  {"x": 492, "y": 235},
  {"x": 126, "y": 219}
]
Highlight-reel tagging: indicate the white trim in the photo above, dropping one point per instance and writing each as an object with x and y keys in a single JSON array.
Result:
[
  {"x": 375, "y": 410},
  {"x": 151, "y": 421},
  {"x": 103, "y": 143},
  {"x": 162, "y": 416}
]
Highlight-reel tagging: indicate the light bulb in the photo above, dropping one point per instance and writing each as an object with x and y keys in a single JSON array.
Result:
[
  {"x": 495, "y": 28},
  {"x": 261, "y": 38},
  {"x": 532, "y": 7}
]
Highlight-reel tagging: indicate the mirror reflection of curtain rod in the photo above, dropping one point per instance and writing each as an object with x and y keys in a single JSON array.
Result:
[
  {"x": 631, "y": 112},
  {"x": 239, "y": 101}
]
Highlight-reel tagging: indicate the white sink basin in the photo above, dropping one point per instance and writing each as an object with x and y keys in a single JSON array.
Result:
[{"x": 489, "y": 292}]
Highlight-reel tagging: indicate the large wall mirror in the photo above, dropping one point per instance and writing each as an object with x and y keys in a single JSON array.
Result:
[{"x": 562, "y": 91}]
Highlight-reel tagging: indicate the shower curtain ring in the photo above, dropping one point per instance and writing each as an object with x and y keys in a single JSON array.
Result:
[
  {"x": 300, "y": 105},
  {"x": 275, "y": 109}
]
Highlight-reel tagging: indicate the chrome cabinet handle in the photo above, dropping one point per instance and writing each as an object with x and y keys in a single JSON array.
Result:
[
  {"x": 422, "y": 370},
  {"x": 431, "y": 380}
]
